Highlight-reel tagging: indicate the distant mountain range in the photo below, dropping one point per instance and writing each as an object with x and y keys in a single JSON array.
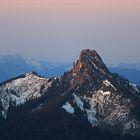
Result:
[
  {"x": 14, "y": 65},
  {"x": 132, "y": 74},
  {"x": 128, "y": 66}
]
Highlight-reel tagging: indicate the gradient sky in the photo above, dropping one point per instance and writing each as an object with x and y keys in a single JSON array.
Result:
[{"x": 56, "y": 30}]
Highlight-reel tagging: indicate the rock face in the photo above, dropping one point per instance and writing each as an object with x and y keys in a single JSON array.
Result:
[
  {"x": 89, "y": 96},
  {"x": 106, "y": 99},
  {"x": 88, "y": 69}
]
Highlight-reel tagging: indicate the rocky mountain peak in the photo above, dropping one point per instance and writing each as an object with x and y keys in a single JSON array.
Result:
[
  {"x": 90, "y": 61},
  {"x": 31, "y": 74},
  {"x": 89, "y": 67},
  {"x": 89, "y": 53},
  {"x": 107, "y": 99}
]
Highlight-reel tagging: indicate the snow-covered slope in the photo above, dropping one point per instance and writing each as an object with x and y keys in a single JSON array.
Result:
[{"x": 20, "y": 90}]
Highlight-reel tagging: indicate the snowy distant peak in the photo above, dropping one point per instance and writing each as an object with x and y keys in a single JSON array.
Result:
[{"x": 11, "y": 57}]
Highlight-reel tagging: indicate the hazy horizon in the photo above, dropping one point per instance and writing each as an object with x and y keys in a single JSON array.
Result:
[{"x": 58, "y": 30}]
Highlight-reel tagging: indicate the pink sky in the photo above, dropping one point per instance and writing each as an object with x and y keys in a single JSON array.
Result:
[{"x": 67, "y": 6}]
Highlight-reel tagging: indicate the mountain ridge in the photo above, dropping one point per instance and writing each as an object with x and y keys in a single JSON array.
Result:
[{"x": 87, "y": 98}]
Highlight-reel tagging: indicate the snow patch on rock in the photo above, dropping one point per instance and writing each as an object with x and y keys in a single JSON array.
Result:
[
  {"x": 91, "y": 61},
  {"x": 68, "y": 108},
  {"x": 105, "y": 93},
  {"x": 134, "y": 87},
  {"x": 78, "y": 102},
  {"x": 108, "y": 83},
  {"x": 91, "y": 113}
]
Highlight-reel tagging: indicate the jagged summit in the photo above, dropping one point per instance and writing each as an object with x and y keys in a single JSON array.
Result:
[
  {"x": 90, "y": 62},
  {"x": 90, "y": 54},
  {"x": 88, "y": 70}
]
